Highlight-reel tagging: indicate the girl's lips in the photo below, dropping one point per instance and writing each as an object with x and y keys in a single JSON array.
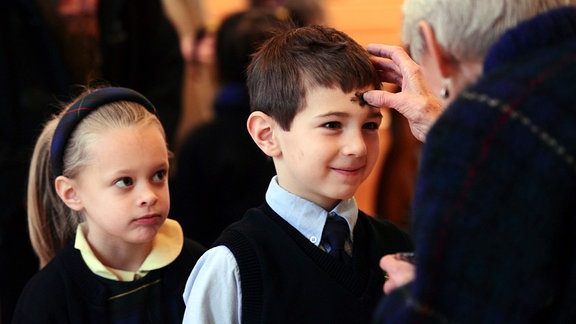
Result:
[{"x": 148, "y": 219}]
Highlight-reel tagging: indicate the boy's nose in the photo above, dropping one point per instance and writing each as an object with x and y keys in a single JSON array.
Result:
[{"x": 354, "y": 145}]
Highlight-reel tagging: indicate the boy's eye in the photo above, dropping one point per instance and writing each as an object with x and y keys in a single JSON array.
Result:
[
  {"x": 159, "y": 176},
  {"x": 124, "y": 182},
  {"x": 371, "y": 125},
  {"x": 331, "y": 125}
]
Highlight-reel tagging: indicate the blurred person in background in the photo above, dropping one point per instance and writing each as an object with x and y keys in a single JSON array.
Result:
[
  {"x": 122, "y": 43},
  {"x": 33, "y": 78},
  {"x": 221, "y": 172}
]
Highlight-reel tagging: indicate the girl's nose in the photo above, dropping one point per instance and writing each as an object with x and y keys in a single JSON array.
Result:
[{"x": 148, "y": 197}]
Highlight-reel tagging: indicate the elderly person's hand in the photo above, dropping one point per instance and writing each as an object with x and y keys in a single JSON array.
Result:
[
  {"x": 414, "y": 101},
  {"x": 398, "y": 271}
]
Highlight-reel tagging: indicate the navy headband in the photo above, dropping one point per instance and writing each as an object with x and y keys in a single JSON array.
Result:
[{"x": 82, "y": 108}]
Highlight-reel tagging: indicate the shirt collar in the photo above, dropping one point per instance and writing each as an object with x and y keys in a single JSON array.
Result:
[
  {"x": 166, "y": 247},
  {"x": 307, "y": 217}
]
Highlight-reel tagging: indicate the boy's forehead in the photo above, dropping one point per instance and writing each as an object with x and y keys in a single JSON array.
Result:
[
  {"x": 359, "y": 98},
  {"x": 331, "y": 99}
]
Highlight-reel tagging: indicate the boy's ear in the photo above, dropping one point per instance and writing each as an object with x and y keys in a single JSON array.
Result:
[
  {"x": 66, "y": 190},
  {"x": 446, "y": 63},
  {"x": 261, "y": 127}
]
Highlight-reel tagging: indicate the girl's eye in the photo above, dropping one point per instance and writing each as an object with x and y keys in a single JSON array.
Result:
[
  {"x": 159, "y": 176},
  {"x": 331, "y": 125},
  {"x": 124, "y": 182},
  {"x": 371, "y": 126}
]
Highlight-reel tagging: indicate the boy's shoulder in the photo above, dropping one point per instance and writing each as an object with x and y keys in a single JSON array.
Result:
[
  {"x": 384, "y": 232},
  {"x": 260, "y": 228},
  {"x": 264, "y": 222},
  {"x": 375, "y": 221},
  {"x": 254, "y": 221}
]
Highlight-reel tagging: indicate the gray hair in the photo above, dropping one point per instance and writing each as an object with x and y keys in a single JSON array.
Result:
[{"x": 467, "y": 29}]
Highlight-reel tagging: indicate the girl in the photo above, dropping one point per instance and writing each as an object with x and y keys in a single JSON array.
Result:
[{"x": 97, "y": 211}]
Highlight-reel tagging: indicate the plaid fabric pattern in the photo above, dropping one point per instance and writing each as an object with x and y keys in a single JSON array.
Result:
[{"x": 495, "y": 205}]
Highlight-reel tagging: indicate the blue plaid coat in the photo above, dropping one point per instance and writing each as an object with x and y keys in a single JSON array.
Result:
[{"x": 495, "y": 204}]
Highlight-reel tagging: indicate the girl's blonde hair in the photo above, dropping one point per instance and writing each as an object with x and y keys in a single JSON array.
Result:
[{"x": 51, "y": 223}]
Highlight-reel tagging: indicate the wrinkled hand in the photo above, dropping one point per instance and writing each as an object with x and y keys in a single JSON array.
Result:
[
  {"x": 414, "y": 101},
  {"x": 399, "y": 272}
]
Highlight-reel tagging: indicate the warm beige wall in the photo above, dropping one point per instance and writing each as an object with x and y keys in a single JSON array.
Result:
[{"x": 367, "y": 21}]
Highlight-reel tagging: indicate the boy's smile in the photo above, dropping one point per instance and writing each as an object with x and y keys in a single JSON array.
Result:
[{"x": 330, "y": 149}]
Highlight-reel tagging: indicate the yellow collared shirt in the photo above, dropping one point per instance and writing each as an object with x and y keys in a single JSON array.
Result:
[{"x": 166, "y": 247}]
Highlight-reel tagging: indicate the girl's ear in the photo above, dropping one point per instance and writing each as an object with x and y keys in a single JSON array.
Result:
[
  {"x": 447, "y": 64},
  {"x": 262, "y": 127},
  {"x": 65, "y": 187}
]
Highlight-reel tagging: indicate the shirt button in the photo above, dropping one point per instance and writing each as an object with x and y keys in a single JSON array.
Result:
[{"x": 313, "y": 239}]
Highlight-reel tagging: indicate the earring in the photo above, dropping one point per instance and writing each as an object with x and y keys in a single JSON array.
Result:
[{"x": 444, "y": 92}]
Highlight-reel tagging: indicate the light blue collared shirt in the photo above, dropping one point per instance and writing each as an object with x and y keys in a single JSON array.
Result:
[{"x": 213, "y": 294}]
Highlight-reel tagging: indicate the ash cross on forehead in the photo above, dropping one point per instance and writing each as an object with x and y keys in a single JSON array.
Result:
[{"x": 359, "y": 97}]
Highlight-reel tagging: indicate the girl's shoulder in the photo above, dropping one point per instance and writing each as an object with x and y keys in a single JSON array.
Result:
[
  {"x": 46, "y": 291},
  {"x": 193, "y": 249}
]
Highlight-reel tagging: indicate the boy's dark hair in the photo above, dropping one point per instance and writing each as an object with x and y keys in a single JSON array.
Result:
[{"x": 298, "y": 59}]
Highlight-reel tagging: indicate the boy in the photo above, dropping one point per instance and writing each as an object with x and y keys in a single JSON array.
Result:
[{"x": 279, "y": 264}]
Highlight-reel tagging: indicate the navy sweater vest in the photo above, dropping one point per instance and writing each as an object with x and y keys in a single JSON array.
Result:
[{"x": 287, "y": 279}]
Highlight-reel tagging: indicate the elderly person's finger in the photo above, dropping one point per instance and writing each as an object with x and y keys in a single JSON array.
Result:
[
  {"x": 388, "y": 70},
  {"x": 421, "y": 111},
  {"x": 398, "y": 271},
  {"x": 395, "y": 53},
  {"x": 414, "y": 101},
  {"x": 395, "y": 60},
  {"x": 394, "y": 57}
]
